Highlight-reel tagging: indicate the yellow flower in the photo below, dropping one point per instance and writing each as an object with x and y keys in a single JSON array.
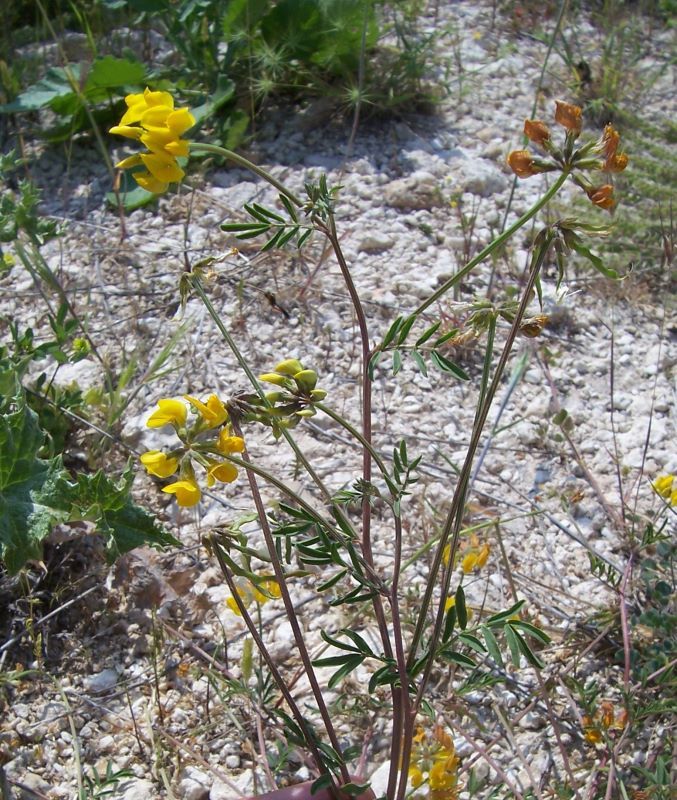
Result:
[
  {"x": 443, "y": 774},
  {"x": 158, "y": 464},
  {"x": 249, "y": 593},
  {"x": 482, "y": 556},
  {"x": 187, "y": 492},
  {"x": 170, "y": 412},
  {"x": 415, "y": 776},
  {"x": 222, "y": 471},
  {"x": 152, "y": 119},
  {"x": 450, "y": 602},
  {"x": 228, "y": 443},
  {"x": 666, "y": 487},
  {"x": 213, "y": 412},
  {"x": 469, "y": 562}
]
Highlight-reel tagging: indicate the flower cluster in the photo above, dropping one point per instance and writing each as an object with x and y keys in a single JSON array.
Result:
[
  {"x": 206, "y": 440},
  {"x": 152, "y": 119},
  {"x": 434, "y": 764},
  {"x": 604, "y": 721},
  {"x": 602, "y": 155},
  {"x": 259, "y": 593},
  {"x": 473, "y": 557},
  {"x": 666, "y": 487},
  {"x": 294, "y": 397}
]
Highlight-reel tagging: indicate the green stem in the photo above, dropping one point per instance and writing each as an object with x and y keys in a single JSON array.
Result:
[
  {"x": 497, "y": 242},
  {"x": 203, "y": 147},
  {"x": 354, "y": 433}
]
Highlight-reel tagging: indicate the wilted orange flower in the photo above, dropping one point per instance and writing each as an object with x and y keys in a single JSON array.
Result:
[
  {"x": 613, "y": 160},
  {"x": 569, "y": 116},
  {"x": 521, "y": 162},
  {"x": 602, "y": 196},
  {"x": 536, "y": 131}
]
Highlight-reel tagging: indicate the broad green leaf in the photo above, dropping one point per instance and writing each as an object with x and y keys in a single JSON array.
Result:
[
  {"x": 461, "y": 610},
  {"x": 110, "y": 73},
  {"x": 492, "y": 645},
  {"x": 108, "y": 504},
  {"x": 513, "y": 643},
  {"x": 31, "y": 489},
  {"x": 445, "y": 365},
  {"x": 54, "y": 85}
]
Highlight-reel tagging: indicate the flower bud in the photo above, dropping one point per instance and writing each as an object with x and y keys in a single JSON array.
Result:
[
  {"x": 273, "y": 377},
  {"x": 306, "y": 379},
  {"x": 318, "y": 395},
  {"x": 537, "y": 131},
  {"x": 569, "y": 116},
  {"x": 289, "y": 367}
]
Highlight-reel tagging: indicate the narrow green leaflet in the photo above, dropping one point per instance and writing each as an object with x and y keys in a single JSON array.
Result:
[{"x": 31, "y": 489}]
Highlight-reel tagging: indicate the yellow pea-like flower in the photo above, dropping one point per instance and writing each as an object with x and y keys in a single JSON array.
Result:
[
  {"x": 170, "y": 412},
  {"x": 221, "y": 471},
  {"x": 152, "y": 119},
  {"x": 228, "y": 444},
  {"x": 213, "y": 411},
  {"x": 186, "y": 491},
  {"x": 158, "y": 463}
]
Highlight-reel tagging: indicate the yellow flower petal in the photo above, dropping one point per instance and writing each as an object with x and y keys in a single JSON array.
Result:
[
  {"x": 158, "y": 98},
  {"x": 232, "y": 605},
  {"x": 158, "y": 464},
  {"x": 228, "y": 444},
  {"x": 155, "y": 116},
  {"x": 469, "y": 562},
  {"x": 180, "y": 121},
  {"x": 149, "y": 182},
  {"x": 213, "y": 412},
  {"x": 483, "y": 555},
  {"x": 163, "y": 168},
  {"x": 187, "y": 492},
  {"x": 170, "y": 412},
  {"x": 224, "y": 472},
  {"x": 130, "y": 131},
  {"x": 130, "y": 161},
  {"x": 663, "y": 486},
  {"x": 178, "y": 147},
  {"x": 415, "y": 776}
]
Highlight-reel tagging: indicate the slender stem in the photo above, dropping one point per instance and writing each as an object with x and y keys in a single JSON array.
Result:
[
  {"x": 455, "y": 515},
  {"x": 403, "y": 719},
  {"x": 289, "y": 608},
  {"x": 355, "y": 434},
  {"x": 374, "y": 580},
  {"x": 332, "y": 235},
  {"x": 203, "y": 147},
  {"x": 497, "y": 242}
]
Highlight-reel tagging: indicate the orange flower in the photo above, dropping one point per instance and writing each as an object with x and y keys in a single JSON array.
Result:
[
  {"x": 613, "y": 160},
  {"x": 602, "y": 196},
  {"x": 521, "y": 162},
  {"x": 569, "y": 116},
  {"x": 537, "y": 131}
]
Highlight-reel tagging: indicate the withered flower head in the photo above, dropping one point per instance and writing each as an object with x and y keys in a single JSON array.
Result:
[
  {"x": 536, "y": 131},
  {"x": 602, "y": 196},
  {"x": 613, "y": 160},
  {"x": 569, "y": 116},
  {"x": 521, "y": 162}
]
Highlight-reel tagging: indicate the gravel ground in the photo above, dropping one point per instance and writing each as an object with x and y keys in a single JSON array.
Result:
[{"x": 123, "y": 676}]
